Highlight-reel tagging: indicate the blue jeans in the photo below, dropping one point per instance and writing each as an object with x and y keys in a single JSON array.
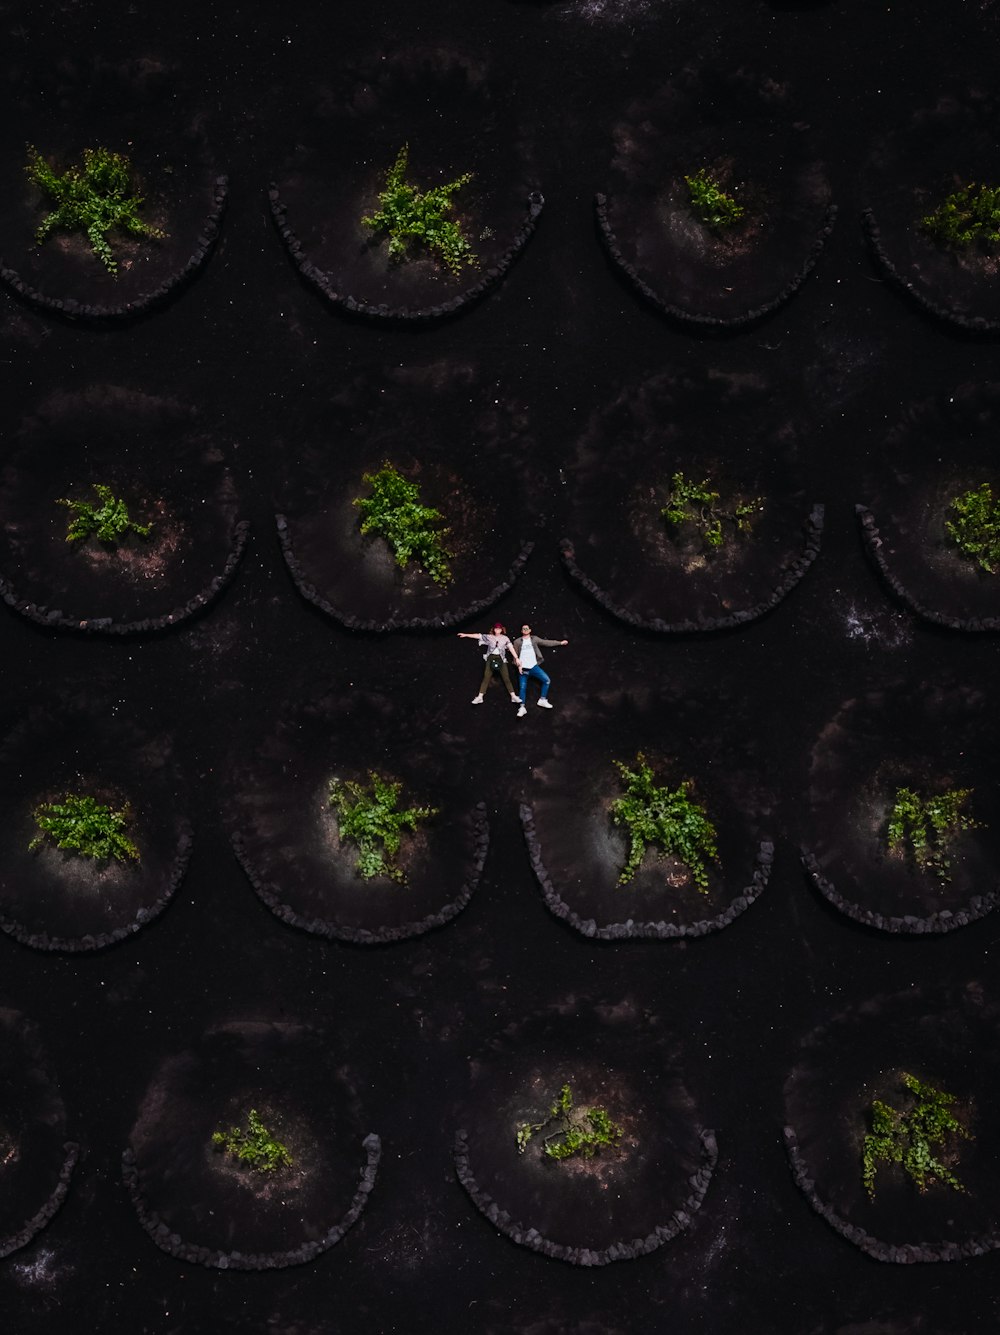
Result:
[{"x": 540, "y": 675}]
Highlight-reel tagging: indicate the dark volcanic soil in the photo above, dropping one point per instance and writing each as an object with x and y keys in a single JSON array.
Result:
[{"x": 269, "y": 371}]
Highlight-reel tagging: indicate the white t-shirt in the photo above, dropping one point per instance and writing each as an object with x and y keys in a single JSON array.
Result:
[{"x": 527, "y": 654}]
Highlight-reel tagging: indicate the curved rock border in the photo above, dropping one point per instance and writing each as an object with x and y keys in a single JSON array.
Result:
[
  {"x": 310, "y": 594},
  {"x": 947, "y": 920},
  {"x": 174, "y": 1245},
  {"x": 709, "y": 321},
  {"x": 813, "y": 539},
  {"x": 71, "y": 309},
  {"x": 630, "y": 930},
  {"x": 873, "y": 546},
  {"x": 973, "y": 324},
  {"x": 270, "y": 896},
  {"x": 49, "y": 1210},
  {"x": 584, "y": 1256},
  {"x": 909, "y": 1253},
  {"x": 56, "y": 620},
  {"x": 101, "y": 940},
  {"x": 401, "y": 314}
]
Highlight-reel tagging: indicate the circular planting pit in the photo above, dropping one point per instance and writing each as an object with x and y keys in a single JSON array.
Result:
[
  {"x": 36, "y": 1160},
  {"x": 665, "y": 576},
  {"x": 634, "y": 1192},
  {"x": 904, "y": 523},
  {"x": 926, "y": 740},
  {"x": 55, "y": 898},
  {"x": 155, "y": 456},
  {"x": 947, "y": 1041},
  {"x": 912, "y": 171},
  {"x": 129, "y": 107},
  {"x": 484, "y": 506},
  {"x": 286, "y": 834},
  {"x": 455, "y": 120},
  {"x": 578, "y": 853},
  {"x": 743, "y": 132},
  {"x": 202, "y": 1203}
]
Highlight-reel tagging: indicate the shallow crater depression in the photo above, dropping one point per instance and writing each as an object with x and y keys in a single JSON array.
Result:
[
  {"x": 141, "y": 107},
  {"x": 169, "y": 467},
  {"x": 623, "y": 1061},
  {"x": 471, "y": 456},
  {"x": 743, "y": 129},
  {"x": 727, "y": 430},
  {"x": 286, "y": 833},
  {"x": 57, "y": 899},
  {"x": 923, "y": 738},
  {"x": 309, "y": 1102},
  {"x": 356, "y": 125}
]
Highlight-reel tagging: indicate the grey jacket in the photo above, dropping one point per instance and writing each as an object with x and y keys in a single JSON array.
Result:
[{"x": 537, "y": 641}]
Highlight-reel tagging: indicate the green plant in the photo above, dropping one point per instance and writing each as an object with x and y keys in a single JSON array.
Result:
[
  {"x": 577, "y": 1130},
  {"x": 709, "y": 203},
  {"x": 96, "y": 198},
  {"x": 907, "y": 1137},
  {"x": 85, "y": 826},
  {"x": 976, "y": 526},
  {"x": 109, "y": 521},
  {"x": 665, "y": 817},
  {"x": 926, "y": 826},
  {"x": 412, "y": 530},
  {"x": 407, "y": 214},
  {"x": 695, "y": 503},
  {"x": 969, "y": 214},
  {"x": 254, "y": 1146},
  {"x": 371, "y": 820}
]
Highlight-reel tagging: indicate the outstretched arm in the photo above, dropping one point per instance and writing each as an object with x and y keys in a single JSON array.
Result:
[{"x": 467, "y": 635}]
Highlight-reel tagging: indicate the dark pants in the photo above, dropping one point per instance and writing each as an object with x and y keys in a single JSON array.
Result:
[{"x": 495, "y": 664}]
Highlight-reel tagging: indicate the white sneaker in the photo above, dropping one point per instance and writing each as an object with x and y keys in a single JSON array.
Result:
[
  {"x": 544, "y": 704},
  {"x": 478, "y": 700},
  {"x": 521, "y": 712},
  {"x": 515, "y": 699}
]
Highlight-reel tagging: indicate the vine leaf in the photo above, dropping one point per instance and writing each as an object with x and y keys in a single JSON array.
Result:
[
  {"x": 108, "y": 522},
  {"x": 370, "y": 819},
  {"x": 975, "y": 529},
  {"x": 909, "y": 1137},
  {"x": 408, "y": 214},
  {"x": 925, "y": 827},
  {"x": 698, "y": 504},
  {"x": 96, "y": 198},
  {"x": 666, "y": 818},
  {"x": 709, "y": 202},
  {"x": 969, "y": 214},
  {"x": 85, "y": 826},
  {"x": 253, "y": 1145},
  {"x": 414, "y": 531},
  {"x": 576, "y": 1131}
]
